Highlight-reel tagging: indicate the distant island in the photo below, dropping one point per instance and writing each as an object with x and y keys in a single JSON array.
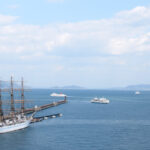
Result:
[
  {"x": 5, "y": 84},
  {"x": 68, "y": 87},
  {"x": 144, "y": 87},
  {"x": 138, "y": 87}
]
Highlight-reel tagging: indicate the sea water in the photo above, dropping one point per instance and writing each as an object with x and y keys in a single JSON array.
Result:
[{"x": 123, "y": 124}]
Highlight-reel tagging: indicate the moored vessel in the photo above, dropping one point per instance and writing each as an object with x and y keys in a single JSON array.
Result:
[
  {"x": 17, "y": 123},
  {"x": 15, "y": 119}
]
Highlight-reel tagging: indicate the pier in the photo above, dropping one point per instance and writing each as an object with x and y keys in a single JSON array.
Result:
[
  {"x": 40, "y": 108},
  {"x": 43, "y": 107}
]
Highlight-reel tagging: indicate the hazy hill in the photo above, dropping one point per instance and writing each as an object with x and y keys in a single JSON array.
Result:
[
  {"x": 7, "y": 85},
  {"x": 138, "y": 87},
  {"x": 68, "y": 87}
]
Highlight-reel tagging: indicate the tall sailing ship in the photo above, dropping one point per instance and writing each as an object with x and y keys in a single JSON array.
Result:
[{"x": 15, "y": 119}]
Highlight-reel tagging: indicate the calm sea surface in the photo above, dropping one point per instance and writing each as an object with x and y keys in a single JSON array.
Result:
[{"x": 124, "y": 124}]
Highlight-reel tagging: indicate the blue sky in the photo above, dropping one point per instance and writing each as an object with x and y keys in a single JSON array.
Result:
[
  {"x": 49, "y": 11},
  {"x": 95, "y": 44}
]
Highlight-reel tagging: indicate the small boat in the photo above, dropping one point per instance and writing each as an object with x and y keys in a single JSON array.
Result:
[
  {"x": 100, "y": 100},
  {"x": 58, "y": 95},
  {"x": 137, "y": 92}
]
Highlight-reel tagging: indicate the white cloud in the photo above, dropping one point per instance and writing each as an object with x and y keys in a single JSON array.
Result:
[
  {"x": 137, "y": 13},
  {"x": 7, "y": 19},
  {"x": 127, "y": 32}
]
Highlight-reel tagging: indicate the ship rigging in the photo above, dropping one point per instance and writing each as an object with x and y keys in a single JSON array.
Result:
[{"x": 15, "y": 119}]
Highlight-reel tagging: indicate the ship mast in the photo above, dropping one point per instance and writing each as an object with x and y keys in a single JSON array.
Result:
[
  {"x": 1, "y": 110},
  {"x": 12, "y": 97},
  {"x": 22, "y": 95}
]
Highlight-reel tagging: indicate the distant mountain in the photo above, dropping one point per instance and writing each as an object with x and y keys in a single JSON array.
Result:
[
  {"x": 68, "y": 87},
  {"x": 138, "y": 87},
  {"x": 130, "y": 87},
  {"x": 7, "y": 85}
]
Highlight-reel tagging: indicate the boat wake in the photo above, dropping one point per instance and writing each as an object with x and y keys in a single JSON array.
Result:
[{"x": 94, "y": 122}]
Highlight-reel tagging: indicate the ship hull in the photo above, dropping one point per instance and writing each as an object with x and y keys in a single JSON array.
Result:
[{"x": 14, "y": 127}]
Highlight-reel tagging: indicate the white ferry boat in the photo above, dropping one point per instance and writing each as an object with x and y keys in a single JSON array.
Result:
[
  {"x": 137, "y": 92},
  {"x": 58, "y": 95},
  {"x": 100, "y": 100}
]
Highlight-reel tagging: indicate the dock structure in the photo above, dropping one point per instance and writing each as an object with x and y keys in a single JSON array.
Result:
[
  {"x": 43, "y": 107},
  {"x": 40, "y": 108},
  {"x": 41, "y": 118},
  {"x": 18, "y": 111}
]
